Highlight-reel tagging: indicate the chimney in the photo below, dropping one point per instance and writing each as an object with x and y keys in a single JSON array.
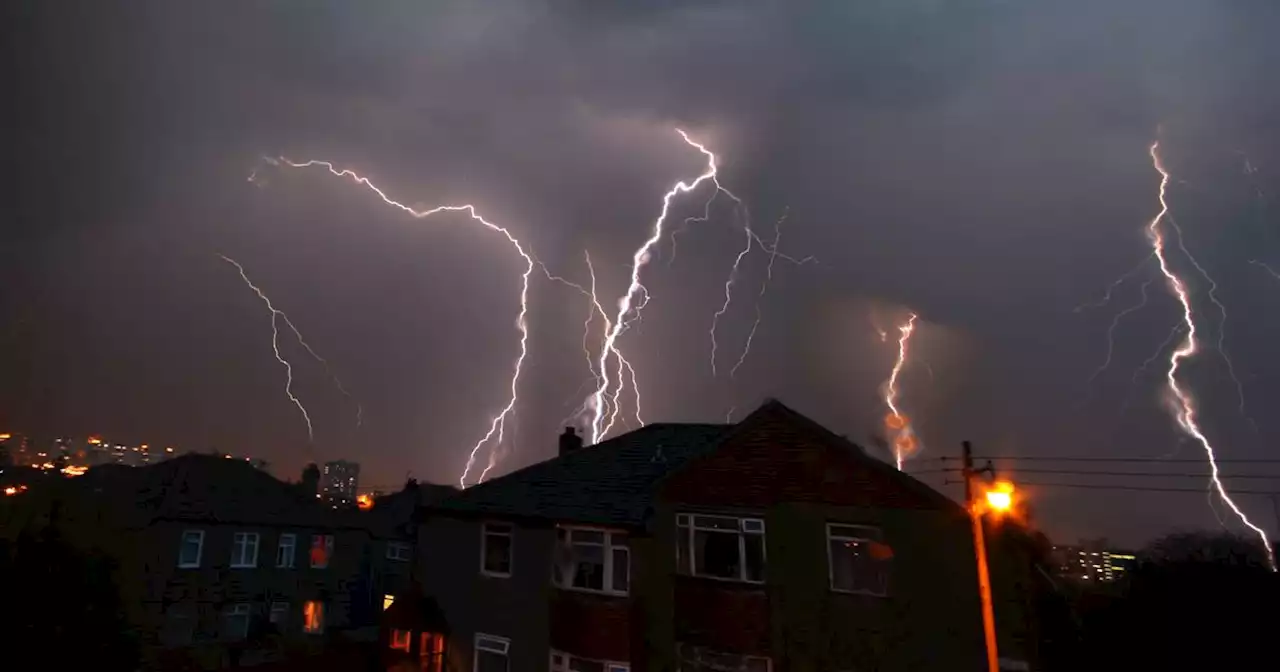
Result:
[
  {"x": 310, "y": 483},
  {"x": 569, "y": 441}
]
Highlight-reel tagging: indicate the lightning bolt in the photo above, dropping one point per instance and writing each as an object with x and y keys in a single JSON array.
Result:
[
  {"x": 629, "y": 309},
  {"x": 1106, "y": 298},
  {"x": 1266, "y": 268},
  {"x": 497, "y": 424},
  {"x": 897, "y": 424},
  {"x": 764, "y": 287},
  {"x": 1111, "y": 330},
  {"x": 1185, "y": 414}
]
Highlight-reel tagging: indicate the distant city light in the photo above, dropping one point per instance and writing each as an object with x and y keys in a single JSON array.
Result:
[
  {"x": 13, "y": 490},
  {"x": 73, "y": 470},
  {"x": 365, "y": 502}
]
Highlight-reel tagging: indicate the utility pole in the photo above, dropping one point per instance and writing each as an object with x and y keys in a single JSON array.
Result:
[{"x": 980, "y": 551}]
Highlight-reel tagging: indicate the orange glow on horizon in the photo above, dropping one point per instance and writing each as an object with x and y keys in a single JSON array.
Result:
[{"x": 364, "y": 502}]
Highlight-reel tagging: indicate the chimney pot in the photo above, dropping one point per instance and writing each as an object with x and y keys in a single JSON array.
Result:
[{"x": 569, "y": 441}]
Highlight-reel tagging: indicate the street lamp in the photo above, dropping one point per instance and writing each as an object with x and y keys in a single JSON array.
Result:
[{"x": 997, "y": 498}]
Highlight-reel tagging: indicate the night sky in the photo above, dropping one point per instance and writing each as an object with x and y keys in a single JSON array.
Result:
[{"x": 983, "y": 163}]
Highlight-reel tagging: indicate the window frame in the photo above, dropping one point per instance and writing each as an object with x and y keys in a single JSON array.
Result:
[
  {"x": 278, "y": 607},
  {"x": 240, "y": 562},
  {"x": 394, "y": 644},
  {"x": 237, "y": 610},
  {"x": 608, "y": 545},
  {"x": 498, "y": 642},
  {"x": 566, "y": 666},
  {"x": 290, "y": 561},
  {"x": 404, "y": 546},
  {"x": 681, "y": 648},
  {"x": 689, "y": 527},
  {"x": 328, "y": 550},
  {"x": 182, "y": 542},
  {"x": 511, "y": 548},
  {"x": 878, "y": 538}
]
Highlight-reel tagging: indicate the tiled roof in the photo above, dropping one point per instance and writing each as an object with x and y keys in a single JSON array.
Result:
[{"x": 610, "y": 483}]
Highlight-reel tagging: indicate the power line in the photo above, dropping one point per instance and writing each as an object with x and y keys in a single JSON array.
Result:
[
  {"x": 1140, "y": 488},
  {"x": 1124, "y": 459},
  {"x": 1144, "y": 474}
]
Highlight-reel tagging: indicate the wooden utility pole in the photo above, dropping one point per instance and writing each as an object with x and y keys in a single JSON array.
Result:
[{"x": 980, "y": 551}]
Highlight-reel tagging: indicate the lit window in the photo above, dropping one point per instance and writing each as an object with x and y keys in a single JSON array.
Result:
[
  {"x": 313, "y": 616},
  {"x": 491, "y": 653},
  {"x": 495, "y": 549},
  {"x": 286, "y": 551},
  {"x": 398, "y": 550},
  {"x": 237, "y": 622},
  {"x": 321, "y": 550},
  {"x": 700, "y": 659},
  {"x": 431, "y": 651},
  {"x": 721, "y": 547},
  {"x": 858, "y": 559},
  {"x": 279, "y": 615},
  {"x": 388, "y": 600},
  {"x": 244, "y": 549},
  {"x": 595, "y": 560},
  {"x": 563, "y": 662},
  {"x": 190, "y": 550},
  {"x": 401, "y": 640}
]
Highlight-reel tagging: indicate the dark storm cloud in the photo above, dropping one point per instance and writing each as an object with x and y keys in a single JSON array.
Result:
[{"x": 982, "y": 163}]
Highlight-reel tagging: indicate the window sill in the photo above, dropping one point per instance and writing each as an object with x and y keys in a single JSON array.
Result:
[
  {"x": 592, "y": 591},
  {"x": 244, "y": 566},
  {"x": 741, "y": 583},
  {"x": 861, "y": 593},
  {"x": 495, "y": 575}
]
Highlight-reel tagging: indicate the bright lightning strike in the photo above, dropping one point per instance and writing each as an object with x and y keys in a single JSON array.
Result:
[
  {"x": 1185, "y": 414},
  {"x": 497, "y": 424},
  {"x": 628, "y": 308},
  {"x": 1266, "y": 268},
  {"x": 899, "y": 427},
  {"x": 764, "y": 287},
  {"x": 1111, "y": 331}
]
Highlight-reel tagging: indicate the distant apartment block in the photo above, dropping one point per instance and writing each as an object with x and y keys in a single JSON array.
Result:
[
  {"x": 338, "y": 482},
  {"x": 1093, "y": 561}
]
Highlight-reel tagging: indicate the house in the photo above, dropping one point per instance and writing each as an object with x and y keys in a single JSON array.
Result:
[
  {"x": 768, "y": 544},
  {"x": 393, "y": 522},
  {"x": 219, "y": 563}
]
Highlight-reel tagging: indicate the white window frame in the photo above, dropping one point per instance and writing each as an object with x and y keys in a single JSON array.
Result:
[
  {"x": 238, "y": 610},
  {"x": 328, "y": 551},
  {"x": 278, "y": 613},
  {"x": 681, "y": 649},
  {"x": 399, "y": 551},
  {"x": 686, "y": 524},
  {"x": 609, "y": 544},
  {"x": 288, "y": 561},
  {"x": 509, "y": 532},
  {"x": 240, "y": 551},
  {"x": 491, "y": 644},
  {"x": 876, "y": 536},
  {"x": 182, "y": 543},
  {"x": 564, "y": 665}
]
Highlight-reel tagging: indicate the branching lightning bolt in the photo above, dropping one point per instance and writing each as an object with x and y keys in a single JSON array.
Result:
[
  {"x": 628, "y": 308},
  {"x": 764, "y": 287},
  {"x": 1266, "y": 268},
  {"x": 1185, "y": 414},
  {"x": 897, "y": 424},
  {"x": 497, "y": 424},
  {"x": 1106, "y": 298}
]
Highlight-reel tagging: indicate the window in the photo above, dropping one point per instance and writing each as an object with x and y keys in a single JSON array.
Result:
[
  {"x": 398, "y": 550},
  {"x": 179, "y": 625},
  {"x": 388, "y": 600},
  {"x": 491, "y": 653},
  {"x": 431, "y": 652},
  {"x": 495, "y": 549},
  {"x": 236, "y": 622},
  {"x": 313, "y": 616},
  {"x": 858, "y": 559},
  {"x": 286, "y": 551},
  {"x": 190, "y": 549},
  {"x": 401, "y": 640},
  {"x": 321, "y": 550},
  {"x": 279, "y": 615},
  {"x": 721, "y": 547},
  {"x": 244, "y": 549},
  {"x": 700, "y": 659},
  {"x": 563, "y": 662},
  {"x": 588, "y": 559}
]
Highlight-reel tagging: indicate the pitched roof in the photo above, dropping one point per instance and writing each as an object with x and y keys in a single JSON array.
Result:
[{"x": 609, "y": 483}]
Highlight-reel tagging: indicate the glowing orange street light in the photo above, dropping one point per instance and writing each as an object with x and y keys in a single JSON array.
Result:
[{"x": 998, "y": 498}]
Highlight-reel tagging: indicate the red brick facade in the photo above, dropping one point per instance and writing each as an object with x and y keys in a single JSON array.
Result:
[
  {"x": 591, "y": 626},
  {"x": 723, "y": 616}
]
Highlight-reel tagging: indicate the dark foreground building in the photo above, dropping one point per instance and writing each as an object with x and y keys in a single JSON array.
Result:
[{"x": 769, "y": 544}]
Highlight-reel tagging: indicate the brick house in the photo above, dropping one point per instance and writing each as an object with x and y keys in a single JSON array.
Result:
[
  {"x": 219, "y": 563},
  {"x": 768, "y": 544}
]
